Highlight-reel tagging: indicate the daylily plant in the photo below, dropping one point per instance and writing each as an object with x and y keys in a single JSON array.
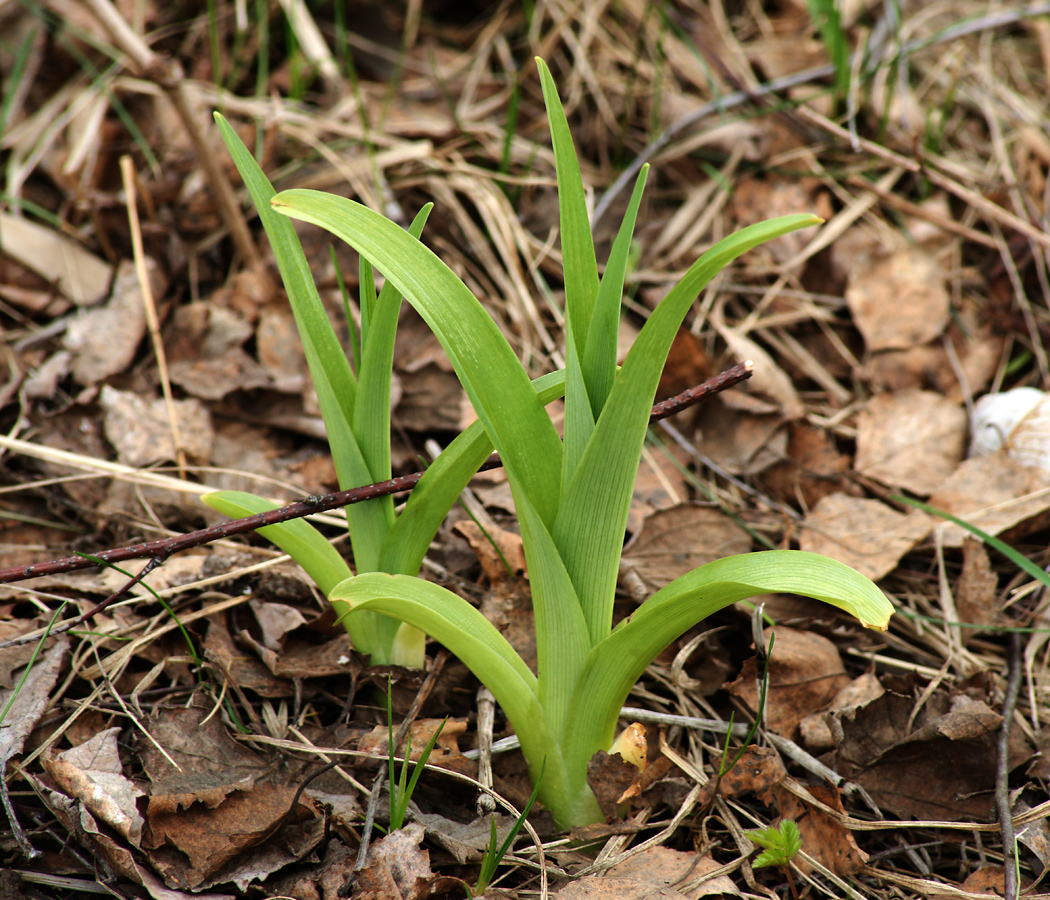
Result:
[
  {"x": 571, "y": 497},
  {"x": 356, "y": 413}
]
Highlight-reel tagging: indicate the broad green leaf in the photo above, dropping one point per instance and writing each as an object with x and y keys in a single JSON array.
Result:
[
  {"x": 329, "y": 367},
  {"x": 615, "y": 664},
  {"x": 441, "y": 484},
  {"x": 562, "y": 640},
  {"x": 577, "y": 245},
  {"x": 371, "y": 420},
  {"x": 491, "y": 375},
  {"x": 308, "y": 547},
  {"x": 593, "y": 515},
  {"x": 599, "y": 358}
]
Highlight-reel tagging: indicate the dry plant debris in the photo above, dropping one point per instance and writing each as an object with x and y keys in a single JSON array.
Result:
[{"x": 176, "y": 745}]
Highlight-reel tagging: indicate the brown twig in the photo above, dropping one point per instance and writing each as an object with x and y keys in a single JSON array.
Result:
[
  {"x": 1011, "y": 888},
  {"x": 160, "y": 550}
]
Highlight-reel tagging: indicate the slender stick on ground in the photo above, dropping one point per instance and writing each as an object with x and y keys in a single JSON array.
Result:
[{"x": 160, "y": 550}]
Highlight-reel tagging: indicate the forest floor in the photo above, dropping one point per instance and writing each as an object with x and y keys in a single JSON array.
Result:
[{"x": 170, "y": 744}]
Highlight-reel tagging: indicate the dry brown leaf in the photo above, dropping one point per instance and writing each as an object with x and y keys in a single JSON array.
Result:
[
  {"x": 395, "y": 868},
  {"x": 677, "y": 540},
  {"x": 104, "y": 340},
  {"x": 79, "y": 275},
  {"x": 758, "y": 771},
  {"x": 993, "y": 493},
  {"x": 805, "y": 674},
  {"x": 205, "y": 355},
  {"x": 976, "y": 593},
  {"x": 496, "y": 549},
  {"x": 652, "y": 874},
  {"x": 912, "y": 440},
  {"x": 934, "y": 762},
  {"x": 816, "y": 729},
  {"x": 93, "y": 774},
  {"x": 864, "y": 534},
  {"x": 899, "y": 300},
  {"x": 741, "y": 443},
  {"x": 813, "y": 470},
  {"x": 140, "y": 430}
]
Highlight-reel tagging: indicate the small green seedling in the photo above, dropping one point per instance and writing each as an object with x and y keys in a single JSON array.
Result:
[
  {"x": 779, "y": 847},
  {"x": 494, "y": 854},
  {"x": 727, "y": 765},
  {"x": 572, "y": 496},
  {"x": 401, "y": 790}
]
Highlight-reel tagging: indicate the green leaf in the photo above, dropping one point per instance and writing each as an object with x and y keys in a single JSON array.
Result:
[
  {"x": 599, "y": 358},
  {"x": 781, "y": 844},
  {"x": 577, "y": 246},
  {"x": 441, "y": 484},
  {"x": 473, "y": 639},
  {"x": 308, "y": 547},
  {"x": 371, "y": 420},
  {"x": 491, "y": 375},
  {"x": 561, "y": 631},
  {"x": 329, "y": 367},
  {"x": 615, "y": 664},
  {"x": 593, "y": 516}
]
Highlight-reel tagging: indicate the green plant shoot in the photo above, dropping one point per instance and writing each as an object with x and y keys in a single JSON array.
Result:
[
  {"x": 780, "y": 845},
  {"x": 495, "y": 851},
  {"x": 572, "y": 498},
  {"x": 401, "y": 790},
  {"x": 356, "y": 412}
]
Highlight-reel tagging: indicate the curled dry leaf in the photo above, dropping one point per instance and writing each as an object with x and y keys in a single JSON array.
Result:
[{"x": 1016, "y": 422}]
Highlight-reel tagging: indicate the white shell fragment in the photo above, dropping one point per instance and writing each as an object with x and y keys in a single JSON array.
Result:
[{"x": 1016, "y": 421}]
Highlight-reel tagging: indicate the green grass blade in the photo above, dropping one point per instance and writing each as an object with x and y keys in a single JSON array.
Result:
[
  {"x": 599, "y": 357},
  {"x": 1018, "y": 559},
  {"x": 491, "y": 375},
  {"x": 615, "y": 664},
  {"x": 593, "y": 516}
]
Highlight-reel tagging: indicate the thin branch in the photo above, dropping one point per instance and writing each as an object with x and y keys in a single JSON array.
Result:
[{"x": 160, "y": 550}]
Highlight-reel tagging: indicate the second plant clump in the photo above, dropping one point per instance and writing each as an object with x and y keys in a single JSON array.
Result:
[{"x": 571, "y": 496}]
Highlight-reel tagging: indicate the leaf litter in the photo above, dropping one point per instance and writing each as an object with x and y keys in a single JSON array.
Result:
[{"x": 169, "y": 768}]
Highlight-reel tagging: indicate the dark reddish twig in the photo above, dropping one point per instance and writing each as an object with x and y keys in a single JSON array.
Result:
[{"x": 159, "y": 550}]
